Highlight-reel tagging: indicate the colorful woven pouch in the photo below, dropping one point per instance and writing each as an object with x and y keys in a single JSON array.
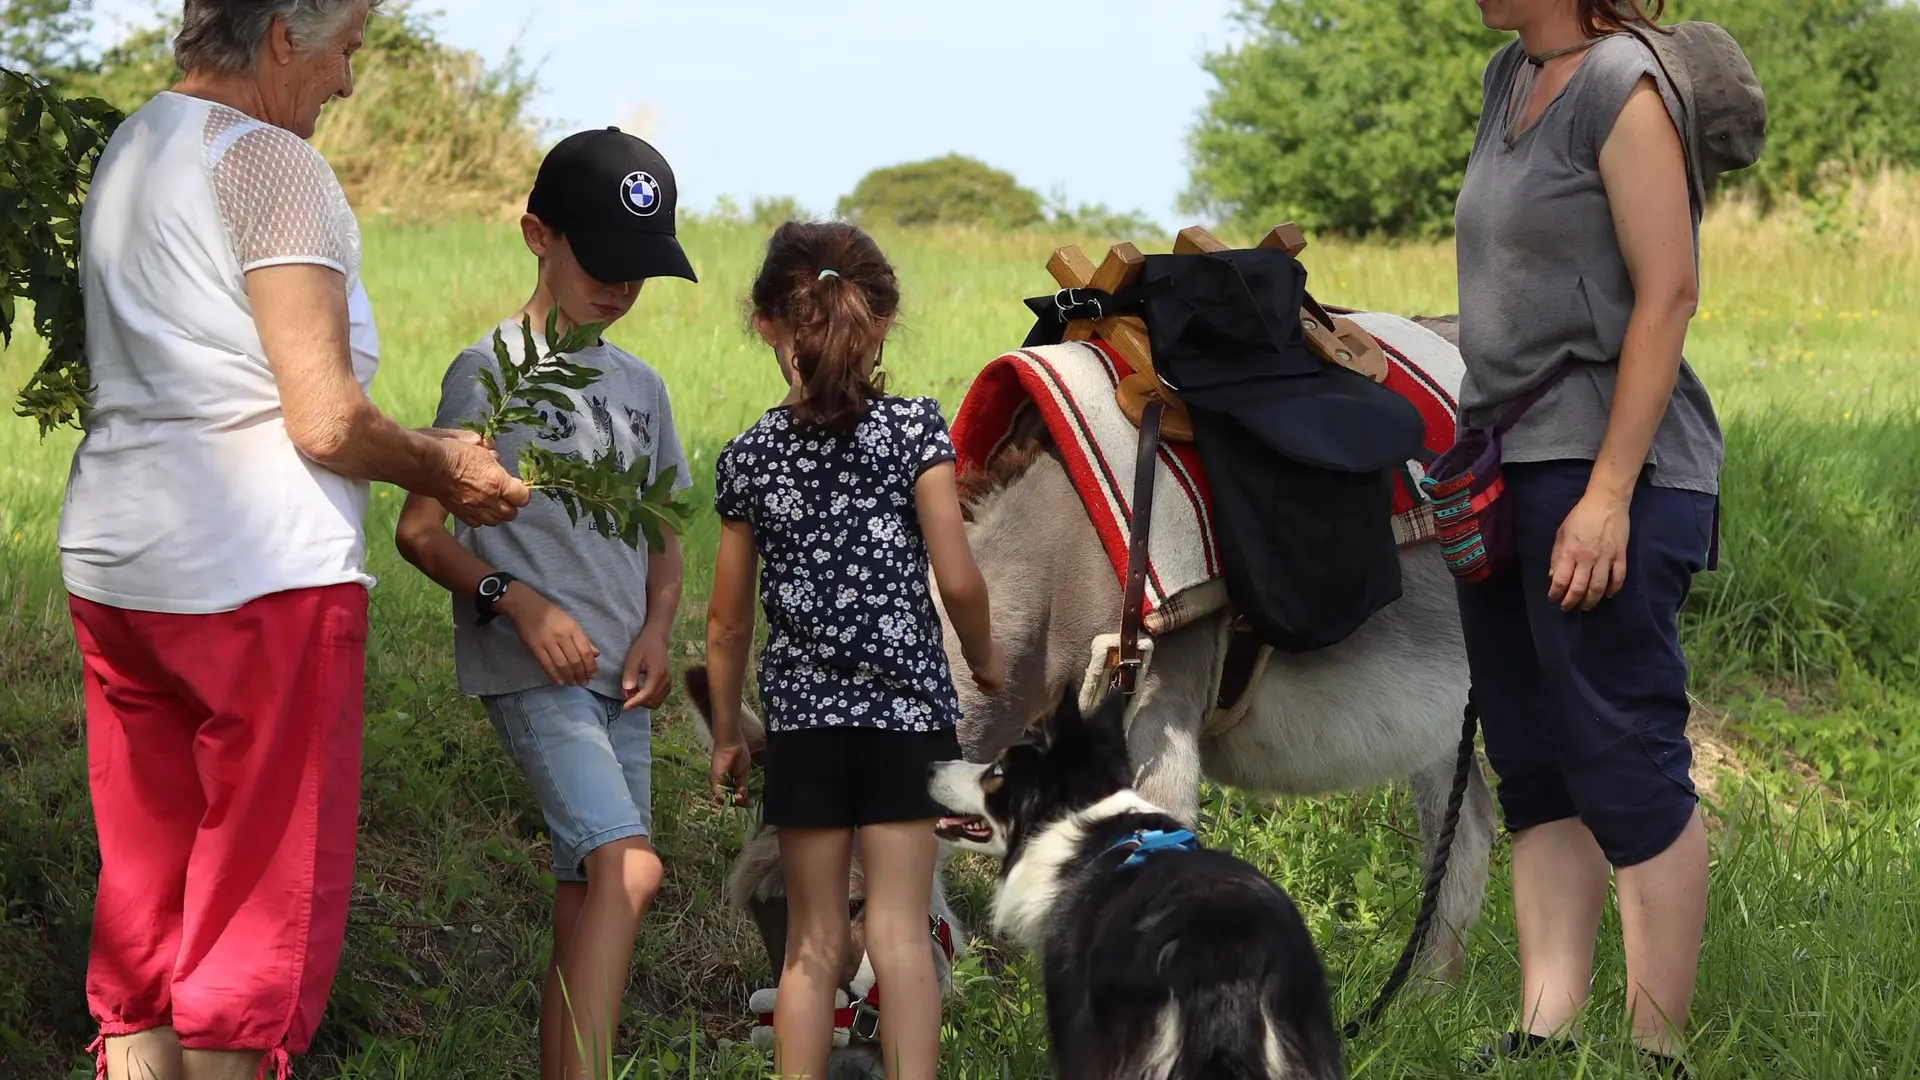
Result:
[{"x": 1472, "y": 523}]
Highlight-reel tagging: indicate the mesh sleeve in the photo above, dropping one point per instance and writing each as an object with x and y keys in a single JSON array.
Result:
[{"x": 278, "y": 197}]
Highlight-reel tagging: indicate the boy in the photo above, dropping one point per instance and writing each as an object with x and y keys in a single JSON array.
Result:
[{"x": 560, "y": 631}]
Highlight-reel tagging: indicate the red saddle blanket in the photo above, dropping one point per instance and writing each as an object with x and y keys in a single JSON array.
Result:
[{"x": 1072, "y": 386}]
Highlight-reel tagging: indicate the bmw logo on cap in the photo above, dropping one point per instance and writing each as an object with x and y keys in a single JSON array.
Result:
[{"x": 640, "y": 194}]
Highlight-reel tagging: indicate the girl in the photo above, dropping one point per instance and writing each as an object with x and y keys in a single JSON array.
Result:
[
  {"x": 848, "y": 494},
  {"x": 1577, "y": 237}
]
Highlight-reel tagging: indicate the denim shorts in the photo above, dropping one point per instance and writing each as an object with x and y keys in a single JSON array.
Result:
[{"x": 590, "y": 764}]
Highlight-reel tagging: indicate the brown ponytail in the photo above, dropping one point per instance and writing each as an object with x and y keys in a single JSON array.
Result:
[
  {"x": 1607, "y": 16},
  {"x": 831, "y": 285}
]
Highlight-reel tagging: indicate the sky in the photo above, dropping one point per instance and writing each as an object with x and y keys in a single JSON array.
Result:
[{"x": 1092, "y": 99}]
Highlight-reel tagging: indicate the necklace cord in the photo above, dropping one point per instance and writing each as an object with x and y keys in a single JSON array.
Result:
[{"x": 1520, "y": 91}]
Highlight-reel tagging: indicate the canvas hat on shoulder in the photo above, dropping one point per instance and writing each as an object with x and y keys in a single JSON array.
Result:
[{"x": 1726, "y": 110}]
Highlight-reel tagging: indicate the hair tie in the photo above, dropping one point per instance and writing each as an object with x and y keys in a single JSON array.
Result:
[{"x": 825, "y": 273}]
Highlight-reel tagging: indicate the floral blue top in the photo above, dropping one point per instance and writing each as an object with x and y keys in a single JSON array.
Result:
[{"x": 853, "y": 639}]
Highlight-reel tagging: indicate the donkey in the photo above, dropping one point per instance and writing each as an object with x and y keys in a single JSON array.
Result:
[{"x": 1383, "y": 705}]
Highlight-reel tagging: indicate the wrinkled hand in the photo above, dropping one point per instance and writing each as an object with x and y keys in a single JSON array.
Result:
[
  {"x": 991, "y": 676},
  {"x": 475, "y": 488},
  {"x": 458, "y": 435},
  {"x": 730, "y": 764},
  {"x": 1589, "y": 553},
  {"x": 646, "y": 676},
  {"x": 551, "y": 635}
]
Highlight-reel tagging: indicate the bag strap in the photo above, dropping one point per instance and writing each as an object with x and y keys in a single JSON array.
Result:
[
  {"x": 1529, "y": 399},
  {"x": 1145, "y": 472}
]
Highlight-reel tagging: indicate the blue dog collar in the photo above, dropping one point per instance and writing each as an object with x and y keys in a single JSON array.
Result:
[{"x": 1149, "y": 841}]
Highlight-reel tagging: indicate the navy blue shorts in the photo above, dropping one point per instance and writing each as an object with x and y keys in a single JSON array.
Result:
[{"x": 1585, "y": 712}]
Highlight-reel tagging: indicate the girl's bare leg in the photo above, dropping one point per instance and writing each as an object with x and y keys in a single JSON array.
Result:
[
  {"x": 816, "y": 863},
  {"x": 899, "y": 861}
]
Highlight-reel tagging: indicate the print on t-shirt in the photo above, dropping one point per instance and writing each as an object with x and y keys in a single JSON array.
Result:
[{"x": 593, "y": 577}]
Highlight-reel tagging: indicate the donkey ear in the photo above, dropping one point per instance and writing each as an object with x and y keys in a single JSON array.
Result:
[{"x": 1066, "y": 719}]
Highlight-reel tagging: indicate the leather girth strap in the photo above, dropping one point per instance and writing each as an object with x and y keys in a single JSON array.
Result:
[
  {"x": 1140, "y": 529},
  {"x": 1236, "y": 673}
]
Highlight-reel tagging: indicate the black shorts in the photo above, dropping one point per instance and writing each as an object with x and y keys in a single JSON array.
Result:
[{"x": 846, "y": 777}]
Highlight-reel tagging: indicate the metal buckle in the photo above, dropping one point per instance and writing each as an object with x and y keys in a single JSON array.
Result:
[
  {"x": 1073, "y": 301},
  {"x": 866, "y": 1023}
]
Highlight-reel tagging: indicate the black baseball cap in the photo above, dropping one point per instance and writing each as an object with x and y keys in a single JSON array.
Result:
[{"x": 613, "y": 196}]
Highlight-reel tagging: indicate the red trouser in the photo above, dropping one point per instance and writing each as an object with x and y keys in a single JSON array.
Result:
[{"x": 223, "y": 757}]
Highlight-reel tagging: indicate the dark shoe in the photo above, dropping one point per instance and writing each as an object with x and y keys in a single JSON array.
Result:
[
  {"x": 1518, "y": 1044},
  {"x": 1663, "y": 1066}
]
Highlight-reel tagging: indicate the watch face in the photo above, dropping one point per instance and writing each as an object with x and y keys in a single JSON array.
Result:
[{"x": 489, "y": 586}]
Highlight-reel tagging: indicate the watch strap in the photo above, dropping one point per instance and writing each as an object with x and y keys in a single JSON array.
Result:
[{"x": 484, "y": 598}]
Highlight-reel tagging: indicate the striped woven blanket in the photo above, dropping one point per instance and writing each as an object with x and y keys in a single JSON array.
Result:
[{"x": 1072, "y": 386}]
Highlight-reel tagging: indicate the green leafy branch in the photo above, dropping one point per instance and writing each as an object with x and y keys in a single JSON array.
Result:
[
  {"x": 618, "y": 501},
  {"x": 52, "y": 144}
]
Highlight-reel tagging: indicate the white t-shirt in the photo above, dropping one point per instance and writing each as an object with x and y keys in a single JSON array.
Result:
[{"x": 186, "y": 494}]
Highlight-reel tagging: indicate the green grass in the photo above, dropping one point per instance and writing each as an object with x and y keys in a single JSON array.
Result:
[{"x": 1808, "y": 639}]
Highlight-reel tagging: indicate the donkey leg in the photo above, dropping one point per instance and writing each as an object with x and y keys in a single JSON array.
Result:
[
  {"x": 1465, "y": 886},
  {"x": 1164, "y": 739}
]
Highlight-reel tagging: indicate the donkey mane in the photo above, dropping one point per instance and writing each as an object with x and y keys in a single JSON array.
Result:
[{"x": 1009, "y": 463}]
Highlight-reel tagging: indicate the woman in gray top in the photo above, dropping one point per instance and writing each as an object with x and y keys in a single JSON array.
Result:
[{"x": 1577, "y": 245}]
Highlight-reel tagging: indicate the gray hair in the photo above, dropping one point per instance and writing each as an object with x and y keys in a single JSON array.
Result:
[{"x": 226, "y": 35}]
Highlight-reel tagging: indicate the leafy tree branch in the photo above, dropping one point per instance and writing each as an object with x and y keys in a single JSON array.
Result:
[
  {"x": 618, "y": 500},
  {"x": 51, "y": 148}
]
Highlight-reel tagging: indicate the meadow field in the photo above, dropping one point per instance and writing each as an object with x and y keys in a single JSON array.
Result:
[{"x": 1806, "y": 646}]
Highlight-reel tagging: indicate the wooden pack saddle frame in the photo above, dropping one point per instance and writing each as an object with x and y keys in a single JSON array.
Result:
[{"x": 1158, "y": 412}]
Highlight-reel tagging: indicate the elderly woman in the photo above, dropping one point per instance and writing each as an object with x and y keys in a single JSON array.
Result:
[
  {"x": 213, "y": 547},
  {"x": 1577, "y": 240}
]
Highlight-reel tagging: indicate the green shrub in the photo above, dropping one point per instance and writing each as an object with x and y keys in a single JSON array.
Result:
[
  {"x": 1842, "y": 79},
  {"x": 1347, "y": 116},
  {"x": 46, "y": 166},
  {"x": 40, "y": 35},
  {"x": 951, "y": 190},
  {"x": 1356, "y": 116},
  {"x": 430, "y": 130}
]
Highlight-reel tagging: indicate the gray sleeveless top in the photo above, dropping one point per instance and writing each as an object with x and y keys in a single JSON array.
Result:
[{"x": 1542, "y": 280}]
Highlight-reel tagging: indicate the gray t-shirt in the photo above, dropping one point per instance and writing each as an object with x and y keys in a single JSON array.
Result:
[
  {"x": 596, "y": 579},
  {"x": 1542, "y": 280}
]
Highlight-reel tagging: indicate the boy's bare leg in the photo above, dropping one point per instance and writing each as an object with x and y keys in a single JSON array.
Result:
[
  {"x": 150, "y": 1055},
  {"x": 622, "y": 879},
  {"x": 899, "y": 863},
  {"x": 816, "y": 864},
  {"x": 569, "y": 898}
]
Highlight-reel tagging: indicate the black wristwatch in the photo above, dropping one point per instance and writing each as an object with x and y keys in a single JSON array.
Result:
[{"x": 491, "y": 589}]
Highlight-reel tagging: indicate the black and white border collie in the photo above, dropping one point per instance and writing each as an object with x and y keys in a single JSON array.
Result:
[{"x": 1161, "y": 960}]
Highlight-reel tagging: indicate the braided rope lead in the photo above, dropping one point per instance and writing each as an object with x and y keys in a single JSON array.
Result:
[{"x": 1430, "y": 903}]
